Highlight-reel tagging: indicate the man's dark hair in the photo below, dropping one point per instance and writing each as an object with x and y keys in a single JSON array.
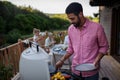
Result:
[{"x": 75, "y": 8}]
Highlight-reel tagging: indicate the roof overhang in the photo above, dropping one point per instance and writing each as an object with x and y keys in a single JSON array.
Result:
[
  {"x": 104, "y": 2},
  {"x": 100, "y": 2}
]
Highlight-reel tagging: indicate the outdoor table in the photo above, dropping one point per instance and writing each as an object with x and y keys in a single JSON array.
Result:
[{"x": 57, "y": 52}]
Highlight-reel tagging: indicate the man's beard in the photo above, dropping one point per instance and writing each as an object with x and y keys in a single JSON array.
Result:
[{"x": 78, "y": 23}]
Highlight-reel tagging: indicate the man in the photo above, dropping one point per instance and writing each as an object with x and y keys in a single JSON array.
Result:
[{"x": 87, "y": 42}]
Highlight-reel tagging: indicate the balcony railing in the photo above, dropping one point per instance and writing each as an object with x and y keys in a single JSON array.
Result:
[{"x": 11, "y": 55}]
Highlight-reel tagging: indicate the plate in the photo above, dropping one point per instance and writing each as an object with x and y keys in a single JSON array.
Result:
[
  {"x": 85, "y": 67},
  {"x": 57, "y": 49},
  {"x": 62, "y": 52}
]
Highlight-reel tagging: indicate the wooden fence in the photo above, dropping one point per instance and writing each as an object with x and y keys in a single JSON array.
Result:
[{"x": 11, "y": 55}]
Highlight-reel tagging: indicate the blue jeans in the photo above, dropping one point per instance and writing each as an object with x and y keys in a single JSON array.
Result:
[{"x": 94, "y": 77}]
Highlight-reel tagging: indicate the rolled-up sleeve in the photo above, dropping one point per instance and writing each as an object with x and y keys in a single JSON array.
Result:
[
  {"x": 70, "y": 48},
  {"x": 102, "y": 40}
]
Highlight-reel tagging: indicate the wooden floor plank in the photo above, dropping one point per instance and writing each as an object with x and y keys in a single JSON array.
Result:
[
  {"x": 113, "y": 68},
  {"x": 106, "y": 70},
  {"x": 110, "y": 68}
]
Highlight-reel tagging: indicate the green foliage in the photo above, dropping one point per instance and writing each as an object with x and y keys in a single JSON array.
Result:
[
  {"x": 6, "y": 72},
  {"x": 26, "y": 36},
  {"x": 61, "y": 16},
  {"x": 24, "y": 19},
  {"x": 13, "y": 36},
  {"x": 57, "y": 39},
  {"x": 89, "y": 17},
  {"x": 60, "y": 23},
  {"x": 96, "y": 19},
  {"x": 2, "y": 24}
]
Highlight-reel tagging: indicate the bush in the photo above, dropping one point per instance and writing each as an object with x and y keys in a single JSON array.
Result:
[
  {"x": 13, "y": 36},
  {"x": 57, "y": 39},
  {"x": 26, "y": 36},
  {"x": 6, "y": 72}
]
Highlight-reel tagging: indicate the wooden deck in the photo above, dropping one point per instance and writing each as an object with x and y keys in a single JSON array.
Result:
[{"x": 110, "y": 68}]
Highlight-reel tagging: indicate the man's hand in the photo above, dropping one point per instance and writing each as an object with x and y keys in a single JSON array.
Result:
[
  {"x": 61, "y": 61},
  {"x": 97, "y": 60},
  {"x": 59, "y": 64},
  {"x": 96, "y": 64}
]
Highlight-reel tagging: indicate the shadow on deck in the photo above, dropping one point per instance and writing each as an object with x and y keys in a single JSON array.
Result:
[{"x": 110, "y": 68}]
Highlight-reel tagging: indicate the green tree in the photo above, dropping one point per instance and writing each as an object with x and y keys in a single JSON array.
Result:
[
  {"x": 16, "y": 21},
  {"x": 13, "y": 36},
  {"x": 2, "y": 25}
]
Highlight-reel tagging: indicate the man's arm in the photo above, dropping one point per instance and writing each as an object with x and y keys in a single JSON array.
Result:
[
  {"x": 61, "y": 61},
  {"x": 98, "y": 58},
  {"x": 103, "y": 45}
]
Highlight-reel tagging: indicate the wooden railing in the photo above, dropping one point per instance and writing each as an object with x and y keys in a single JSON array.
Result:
[{"x": 11, "y": 55}]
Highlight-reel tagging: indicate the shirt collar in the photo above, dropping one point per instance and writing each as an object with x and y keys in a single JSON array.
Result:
[{"x": 86, "y": 23}]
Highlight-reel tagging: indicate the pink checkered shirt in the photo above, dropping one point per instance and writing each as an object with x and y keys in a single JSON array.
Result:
[{"x": 86, "y": 44}]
